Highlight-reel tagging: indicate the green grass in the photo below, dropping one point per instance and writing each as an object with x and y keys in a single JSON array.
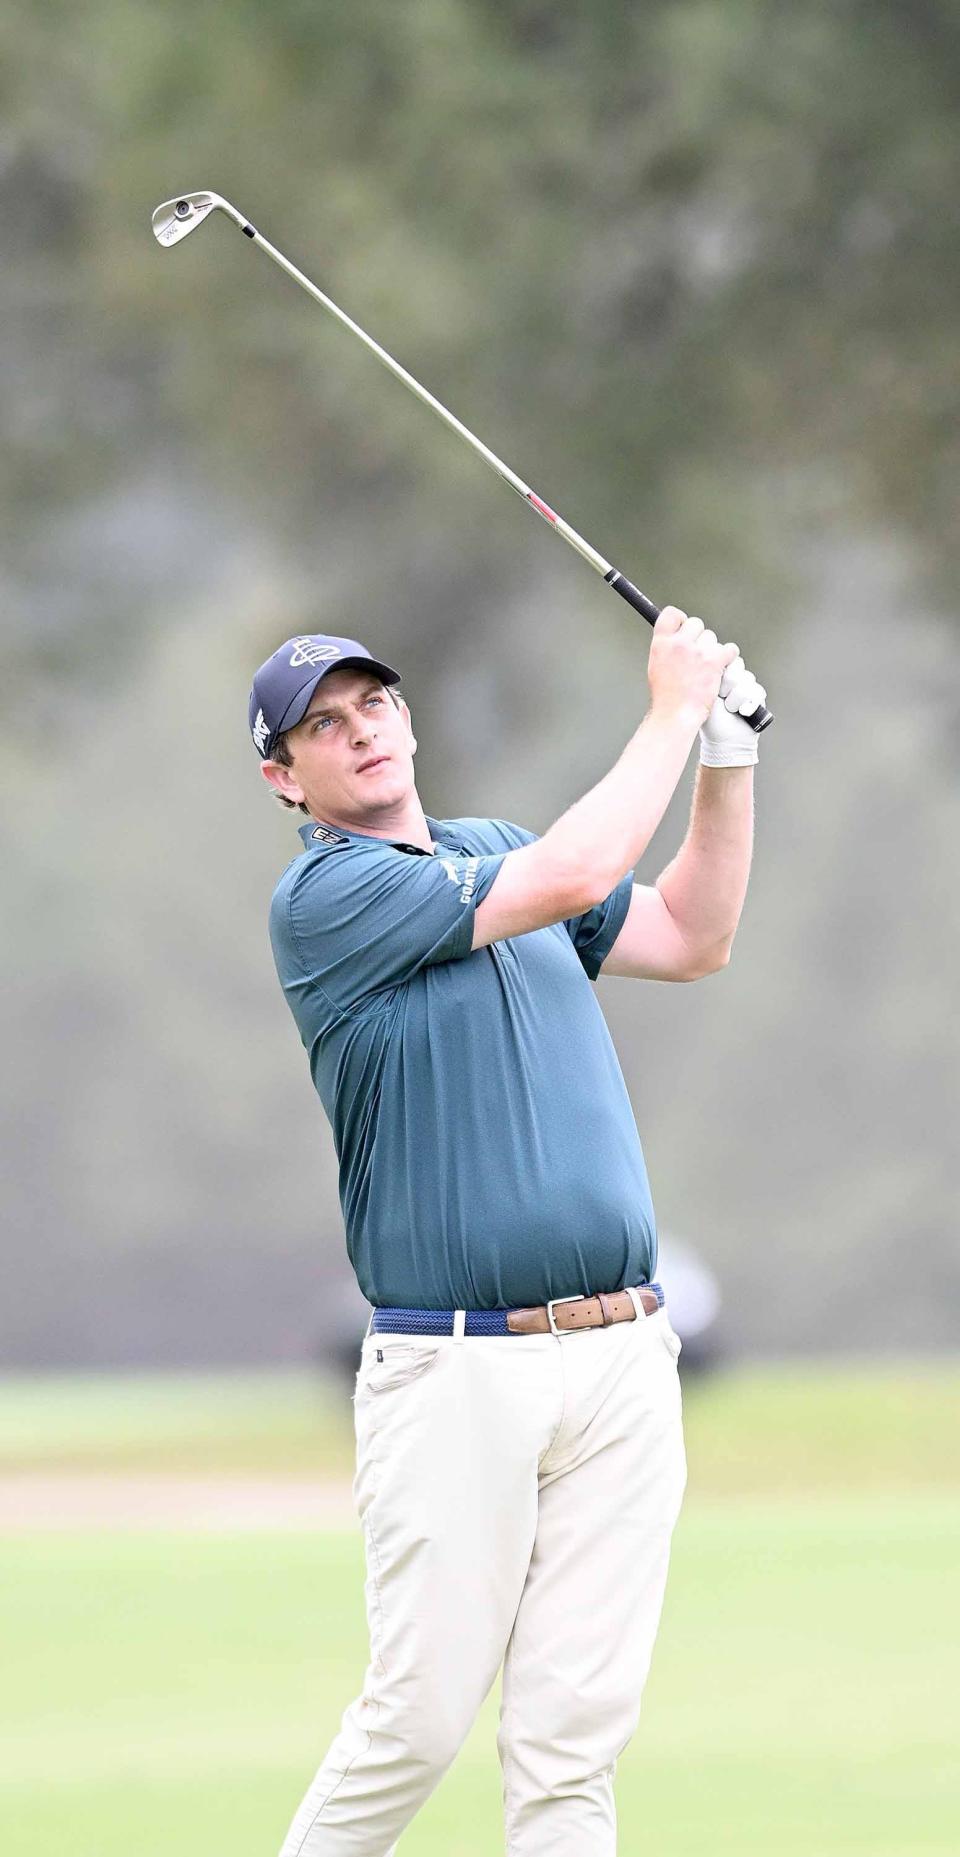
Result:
[{"x": 171, "y": 1693}]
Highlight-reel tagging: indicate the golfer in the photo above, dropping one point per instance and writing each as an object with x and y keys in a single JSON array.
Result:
[{"x": 520, "y": 1459}]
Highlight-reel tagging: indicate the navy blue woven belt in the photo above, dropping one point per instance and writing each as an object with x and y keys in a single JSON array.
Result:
[{"x": 478, "y": 1321}]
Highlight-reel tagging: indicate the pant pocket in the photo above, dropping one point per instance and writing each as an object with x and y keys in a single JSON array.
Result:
[{"x": 385, "y": 1370}]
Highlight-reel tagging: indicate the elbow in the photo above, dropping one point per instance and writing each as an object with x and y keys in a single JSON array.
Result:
[
  {"x": 585, "y": 885},
  {"x": 574, "y": 883},
  {"x": 712, "y": 961}
]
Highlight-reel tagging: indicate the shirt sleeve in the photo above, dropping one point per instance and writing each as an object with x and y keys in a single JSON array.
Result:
[
  {"x": 594, "y": 933},
  {"x": 362, "y": 922}
]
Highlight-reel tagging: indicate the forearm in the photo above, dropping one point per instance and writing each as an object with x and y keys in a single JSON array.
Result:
[
  {"x": 587, "y": 852},
  {"x": 607, "y": 831},
  {"x": 705, "y": 885}
]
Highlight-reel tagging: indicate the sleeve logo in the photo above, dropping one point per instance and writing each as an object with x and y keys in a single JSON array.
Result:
[
  {"x": 466, "y": 877},
  {"x": 469, "y": 884}
]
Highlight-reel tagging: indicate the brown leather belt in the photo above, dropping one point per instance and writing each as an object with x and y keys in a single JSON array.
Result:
[{"x": 573, "y": 1312}]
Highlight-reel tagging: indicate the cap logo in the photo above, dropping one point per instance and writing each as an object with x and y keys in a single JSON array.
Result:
[
  {"x": 260, "y": 733},
  {"x": 307, "y": 651}
]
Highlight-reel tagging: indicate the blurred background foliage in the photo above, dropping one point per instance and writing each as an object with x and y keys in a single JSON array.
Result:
[{"x": 692, "y": 269}]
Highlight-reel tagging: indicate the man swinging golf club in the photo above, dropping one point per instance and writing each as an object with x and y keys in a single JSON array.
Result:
[
  {"x": 519, "y": 1450},
  {"x": 520, "y": 1458}
]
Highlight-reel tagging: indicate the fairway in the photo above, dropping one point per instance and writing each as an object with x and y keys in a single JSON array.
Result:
[{"x": 172, "y": 1691}]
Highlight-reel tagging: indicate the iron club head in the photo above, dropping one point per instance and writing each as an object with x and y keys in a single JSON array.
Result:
[{"x": 175, "y": 218}]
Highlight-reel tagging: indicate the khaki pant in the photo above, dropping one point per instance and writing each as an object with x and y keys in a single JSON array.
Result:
[{"x": 517, "y": 1495}]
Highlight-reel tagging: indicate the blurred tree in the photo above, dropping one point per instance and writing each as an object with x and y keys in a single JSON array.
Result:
[{"x": 657, "y": 257}]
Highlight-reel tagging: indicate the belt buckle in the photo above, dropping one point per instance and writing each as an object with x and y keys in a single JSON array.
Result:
[{"x": 551, "y": 1318}]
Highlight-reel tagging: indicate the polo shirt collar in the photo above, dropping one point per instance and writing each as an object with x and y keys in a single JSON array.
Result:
[{"x": 314, "y": 834}]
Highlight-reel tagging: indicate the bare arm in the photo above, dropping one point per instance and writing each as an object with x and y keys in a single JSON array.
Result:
[
  {"x": 584, "y": 855},
  {"x": 683, "y": 929},
  {"x": 705, "y": 886}
]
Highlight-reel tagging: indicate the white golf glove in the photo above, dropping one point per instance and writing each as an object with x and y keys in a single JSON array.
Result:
[{"x": 725, "y": 739}]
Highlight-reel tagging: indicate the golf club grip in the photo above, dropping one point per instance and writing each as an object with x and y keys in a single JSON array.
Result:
[{"x": 761, "y": 718}]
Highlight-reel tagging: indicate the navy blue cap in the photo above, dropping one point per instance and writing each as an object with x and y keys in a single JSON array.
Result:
[{"x": 283, "y": 686}]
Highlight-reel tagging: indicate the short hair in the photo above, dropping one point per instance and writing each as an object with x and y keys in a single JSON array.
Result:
[{"x": 281, "y": 753}]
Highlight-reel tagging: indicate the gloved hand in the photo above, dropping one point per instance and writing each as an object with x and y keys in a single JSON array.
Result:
[{"x": 725, "y": 739}]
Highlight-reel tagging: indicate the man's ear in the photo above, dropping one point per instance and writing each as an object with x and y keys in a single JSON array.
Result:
[
  {"x": 283, "y": 780},
  {"x": 405, "y": 712}
]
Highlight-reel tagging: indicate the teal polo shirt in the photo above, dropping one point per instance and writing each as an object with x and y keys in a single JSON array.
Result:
[{"x": 488, "y": 1151}]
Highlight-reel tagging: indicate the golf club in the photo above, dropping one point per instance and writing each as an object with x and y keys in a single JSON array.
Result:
[{"x": 174, "y": 219}]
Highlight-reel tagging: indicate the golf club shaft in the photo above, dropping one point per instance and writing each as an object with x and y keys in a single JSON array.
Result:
[{"x": 761, "y": 717}]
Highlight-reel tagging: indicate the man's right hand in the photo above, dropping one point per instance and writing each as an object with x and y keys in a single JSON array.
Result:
[{"x": 685, "y": 667}]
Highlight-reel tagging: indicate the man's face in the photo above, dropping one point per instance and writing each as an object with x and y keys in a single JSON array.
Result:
[{"x": 352, "y": 754}]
